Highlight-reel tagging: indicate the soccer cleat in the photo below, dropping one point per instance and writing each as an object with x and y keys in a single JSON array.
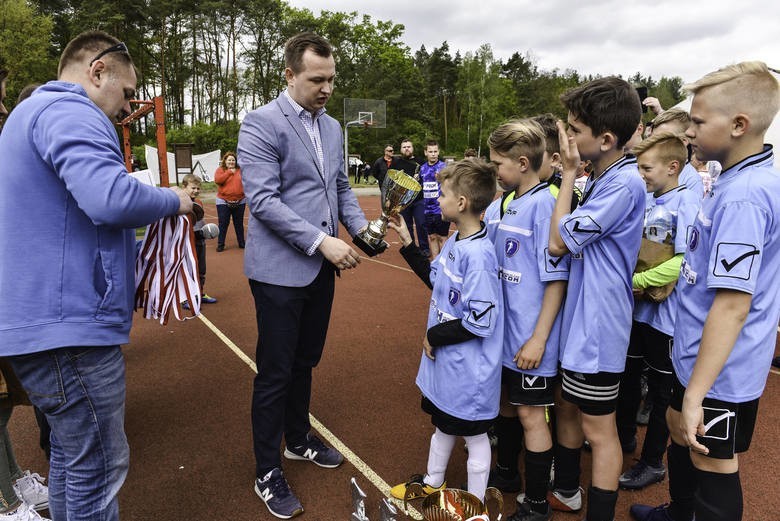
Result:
[
  {"x": 562, "y": 503},
  {"x": 30, "y": 489},
  {"x": 650, "y": 513},
  {"x": 315, "y": 451},
  {"x": 641, "y": 475},
  {"x": 417, "y": 488},
  {"x": 526, "y": 513},
  {"x": 513, "y": 484},
  {"x": 277, "y": 496},
  {"x": 207, "y": 299},
  {"x": 23, "y": 512}
]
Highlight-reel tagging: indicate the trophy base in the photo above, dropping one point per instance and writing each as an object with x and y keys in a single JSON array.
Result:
[{"x": 369, "y": 249}]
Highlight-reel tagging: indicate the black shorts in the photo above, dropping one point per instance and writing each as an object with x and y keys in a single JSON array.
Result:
[
  {"x": 728, "y": 426},
  {"x": 526, "y": 389},
  {"x": 594, "y": 394},
  {"x": 434, "y": 225},
  {"x": 652, "y": 345},
  {"x": 450, "y": 424}
]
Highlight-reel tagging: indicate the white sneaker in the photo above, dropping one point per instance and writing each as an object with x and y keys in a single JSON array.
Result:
[
  {"x": 30, "y": 489},
  {"x": 23, "y": 513}
]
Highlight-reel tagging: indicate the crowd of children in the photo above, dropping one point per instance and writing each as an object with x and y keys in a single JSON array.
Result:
[{"x": 556, "y": 303}]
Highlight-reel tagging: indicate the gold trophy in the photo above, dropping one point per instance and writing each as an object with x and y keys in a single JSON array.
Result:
[
  {"x": 397, "y": 192},
  {"x": 452, "y": 504}
]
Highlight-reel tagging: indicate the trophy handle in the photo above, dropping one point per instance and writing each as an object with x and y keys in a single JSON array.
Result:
[
  {"x": 492, "y": 493},
  {"x": 412, "y": 490}
]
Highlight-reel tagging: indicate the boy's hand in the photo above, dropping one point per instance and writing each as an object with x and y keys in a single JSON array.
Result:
[
  {"x": 530, "y": 355},
  {"x": 428, "y": 348},
  {"x": 570, "y": 155},
  {"x": 692, "y": 424},
  {"x": 653, "y": 104},
  {"x": 339, "y": 253},
  {"x": 398, "y": 224}
]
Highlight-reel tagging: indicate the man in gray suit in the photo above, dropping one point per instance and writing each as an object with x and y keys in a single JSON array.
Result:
[{"x": 291, "y": 154}]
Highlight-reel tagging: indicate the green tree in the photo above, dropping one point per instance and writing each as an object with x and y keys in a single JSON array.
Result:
[{"x": 24, "y": 46}]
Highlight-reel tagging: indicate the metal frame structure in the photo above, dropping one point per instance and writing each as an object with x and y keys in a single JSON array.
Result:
[{"x": 156, "y": 106}]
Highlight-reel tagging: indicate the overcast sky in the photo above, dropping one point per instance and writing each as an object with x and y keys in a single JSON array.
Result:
[{"x": 657, "y": 38}]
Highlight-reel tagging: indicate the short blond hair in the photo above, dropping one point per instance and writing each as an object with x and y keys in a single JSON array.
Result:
[
  {"x": 747, "y": 87},
  {"x": 520, "y": 137},
  {"x": 670, "y": 147},
  {"x": 676, "y": 116}
]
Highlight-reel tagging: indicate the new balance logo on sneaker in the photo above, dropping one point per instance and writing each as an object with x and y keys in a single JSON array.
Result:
[
  {"x": 277, "y": 496},
  {"x": 315, "y": 451}
]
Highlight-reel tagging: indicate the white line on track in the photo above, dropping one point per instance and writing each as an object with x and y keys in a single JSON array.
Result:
[
  {"x": 353, "y": 458},
  {"x": 386, "y": 264}
]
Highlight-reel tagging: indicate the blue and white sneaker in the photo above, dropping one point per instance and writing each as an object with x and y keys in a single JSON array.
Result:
[
  {"x": 315, "y": 451},
  {"x": 277, "y": 496}
]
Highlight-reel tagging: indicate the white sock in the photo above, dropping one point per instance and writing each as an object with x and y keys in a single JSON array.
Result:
[
  {"x": 478, "y": 464},
  {"x": 438, "y": 457}
]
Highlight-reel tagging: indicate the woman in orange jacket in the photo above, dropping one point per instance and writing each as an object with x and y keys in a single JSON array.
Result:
[{"x": 230, "y": 199}]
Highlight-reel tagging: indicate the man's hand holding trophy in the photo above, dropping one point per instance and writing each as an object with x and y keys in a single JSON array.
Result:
[{"x": 397, "y": 192}]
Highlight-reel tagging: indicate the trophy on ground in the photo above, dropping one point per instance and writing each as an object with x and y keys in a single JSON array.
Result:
[
  {"x": 358, "y": 502},
  {"x": 398, "y": 191},
  {"x": 451, "y": 504},
  {"x": 387, "y": 512}
]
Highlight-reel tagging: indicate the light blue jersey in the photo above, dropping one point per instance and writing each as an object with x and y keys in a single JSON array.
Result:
[
  {"x": 603, "y": 235},
  {"x": 492, "y": 217},
  {"x": 667, "y": 219},
  {"x": 465, "y": 378},
  {"x": 525, "y": 267},
  {"x": 734, "y": 244},
  {"x": 691, "y": 179}
]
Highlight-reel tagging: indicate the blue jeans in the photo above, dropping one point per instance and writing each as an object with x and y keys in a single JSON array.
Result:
[{"x": 81, "y": 390}]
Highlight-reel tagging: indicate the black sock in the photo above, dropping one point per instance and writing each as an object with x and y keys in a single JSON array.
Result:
[
  {"x": 537, "y": 478},
  {"x": 601, "y": 504},
  {"x": 510, "y": 442},
  {"x": 718, "y": 497},
  {"x": 567, "y": 468},
  {"x": 682, "y": 482}
]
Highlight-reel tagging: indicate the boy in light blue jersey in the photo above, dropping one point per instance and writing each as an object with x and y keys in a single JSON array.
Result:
[
  {"x": 671, "y": 209},
  {"x": 729, "y": 289},
  {"x": 534, "y": 285},
  {"x": 460, "y": 368},
  {"x": 603, "y": 236}
]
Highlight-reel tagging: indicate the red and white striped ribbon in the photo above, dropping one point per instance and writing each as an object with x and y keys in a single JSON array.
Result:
[{"x": 166, "y": 270}]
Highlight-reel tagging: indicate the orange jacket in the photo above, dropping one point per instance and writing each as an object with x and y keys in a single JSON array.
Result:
[{"x": 229, "y": 183}]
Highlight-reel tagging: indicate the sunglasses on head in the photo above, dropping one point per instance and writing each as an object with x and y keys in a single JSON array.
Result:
[{"x": 120, "y": 47}]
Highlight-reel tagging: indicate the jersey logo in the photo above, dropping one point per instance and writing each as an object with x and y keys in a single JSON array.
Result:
[
  {"x": 553, "y": 262},
  {"x": 480, "y": 313},
  {"x": 511, "y": 247},
  {"x": 735, "y": 260},
  {"x": 693, "y": 238},
  {"x": 454, "y": 296},
  {"x": 582, "y": 228},
  {"x": 451, "y": 256},
  {"x": 717, "y": 423},
  {"x": 534, "y": 382}
]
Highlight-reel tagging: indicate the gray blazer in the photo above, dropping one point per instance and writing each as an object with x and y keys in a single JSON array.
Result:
[{"x": 289, "y": 198}]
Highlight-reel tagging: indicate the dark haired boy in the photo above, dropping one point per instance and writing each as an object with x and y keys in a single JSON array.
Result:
[{"x": 603, "y": 236}]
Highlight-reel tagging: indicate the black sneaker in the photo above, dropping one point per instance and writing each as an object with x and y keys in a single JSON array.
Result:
[
  {"x": 277, "y": 496},
  {"x": 650, "y": 513},
  {"x": 513, "y": 484},
  {"x": 526, "y": 513},
  {"x": 641, "y": 475},
  {"x": 315, "y": 451}
]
